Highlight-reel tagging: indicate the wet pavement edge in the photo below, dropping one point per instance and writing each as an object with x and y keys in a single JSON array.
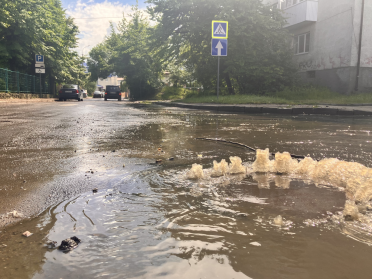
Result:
[{"x": 278, "y": 109}]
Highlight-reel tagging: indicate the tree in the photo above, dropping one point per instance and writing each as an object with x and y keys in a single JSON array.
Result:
[
  {"x": 29, "y": 27},
  {"x": 259, "y": 57},
  {"x": 129, "y": 52}
]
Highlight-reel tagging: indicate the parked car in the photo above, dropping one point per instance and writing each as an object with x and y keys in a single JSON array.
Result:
[
  {"x": 85, "y": 94},
  {"x": 97, "y": 94},
  {"x": 70, "y": 91},
  {"x": 113, "y": 92}
]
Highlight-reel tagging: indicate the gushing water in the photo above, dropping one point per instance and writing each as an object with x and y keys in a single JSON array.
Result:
[
  {"x": 354, "y": 178},
  {"x": 220, "y": 169},
  {"x": 196, "y": 172},
  {"x": 236, "y": 166}
]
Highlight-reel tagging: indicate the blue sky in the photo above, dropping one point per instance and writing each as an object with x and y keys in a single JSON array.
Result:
[
  {"x": 66, "y": 3},
  {"x": 93, "y": 18}
]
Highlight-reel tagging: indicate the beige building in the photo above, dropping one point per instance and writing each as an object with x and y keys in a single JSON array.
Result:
[
  {"x": 110, "y": 80},
  {"x": 326, "y": 41}
]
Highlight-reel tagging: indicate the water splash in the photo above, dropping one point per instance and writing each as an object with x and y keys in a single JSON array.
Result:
[
  {"x": 196, "y": 172},
  {"x": 351, "y": 211},
  {"x": 278, "y": 221},
  {"x": 284, "y": 164},
  {"x": 220, "y": 169},
  {"x": 262, "y": 163},
  {"x": 306, "y": 167},
  {"x": 236, "y": 166}
]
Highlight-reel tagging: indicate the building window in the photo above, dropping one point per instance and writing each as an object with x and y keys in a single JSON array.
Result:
[
  {"x": 288, "y": 3},
  {"x": 302, "y": 43}
]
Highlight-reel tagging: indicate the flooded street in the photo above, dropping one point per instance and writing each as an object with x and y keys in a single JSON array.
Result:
[{"x": 147, "y": 219}]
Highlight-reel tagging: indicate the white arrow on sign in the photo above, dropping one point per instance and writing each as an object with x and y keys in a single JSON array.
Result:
[{"x": 219, "y": 48}]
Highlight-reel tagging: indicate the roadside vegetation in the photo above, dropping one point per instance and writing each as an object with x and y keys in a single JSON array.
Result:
[
  {"x": 307, "y": 95},
  {"x": 29, "y": 27},
  {"x": 174, "y": 36},
  {"x": 173, "y": 93}
]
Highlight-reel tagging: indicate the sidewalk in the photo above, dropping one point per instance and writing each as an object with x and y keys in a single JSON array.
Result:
[
  {"x": 33, "y": 100},
  {"x": 279, "y": 109}
]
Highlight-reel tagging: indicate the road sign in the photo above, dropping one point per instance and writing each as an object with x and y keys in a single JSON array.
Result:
[
  {"x": 40, "y": 71},
  {"x": 220, "y": 29},
  {"x": 39, "y": 59},
  {"x": 39, "y": 65},
  {"x": 219, "y": 47}
]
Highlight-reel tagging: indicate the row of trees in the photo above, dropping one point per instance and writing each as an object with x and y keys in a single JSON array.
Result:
[
  {"x": 129, "y": 51},
  {"x": 179, "y": 39},
  {"x": 29, "y": 27}
]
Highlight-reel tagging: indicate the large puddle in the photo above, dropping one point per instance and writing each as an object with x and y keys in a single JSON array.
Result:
[{"x": 156, "y": 223}]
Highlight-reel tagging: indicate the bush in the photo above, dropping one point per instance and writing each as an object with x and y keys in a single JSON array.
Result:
[{"x": 173, "y": 93}]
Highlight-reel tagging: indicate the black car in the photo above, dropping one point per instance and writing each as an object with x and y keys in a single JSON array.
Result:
[
  {"x": 113, "y": 92},
  {"x": 70, "y": 91}
]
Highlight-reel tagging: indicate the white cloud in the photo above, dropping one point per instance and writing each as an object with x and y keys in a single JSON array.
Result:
[{"x": 93, "y": 20}]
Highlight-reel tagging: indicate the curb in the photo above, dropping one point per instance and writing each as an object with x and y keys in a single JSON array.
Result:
[{"x": 272, "y": 110}]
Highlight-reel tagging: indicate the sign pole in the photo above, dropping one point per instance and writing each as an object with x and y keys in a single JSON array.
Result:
[
  {"x": 220, "y": 31},
  {"x": 218, "y": 77},
  {"x": 40, "y": 85}
]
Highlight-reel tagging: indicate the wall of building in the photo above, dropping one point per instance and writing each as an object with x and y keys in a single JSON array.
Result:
[
  {"x": 334, "y": 46},
  {"x": 108, "y": 81},
  {"x": 330, "y": 37},
  {"x": 365, "y": 77},
  {"x": 332, "y": 59}
]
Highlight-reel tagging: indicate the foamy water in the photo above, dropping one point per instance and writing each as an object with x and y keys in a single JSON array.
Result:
[{"x": 353, "y": 178}]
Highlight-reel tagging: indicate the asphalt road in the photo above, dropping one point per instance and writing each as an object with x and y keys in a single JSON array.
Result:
[{"x": 50, "y": 151}]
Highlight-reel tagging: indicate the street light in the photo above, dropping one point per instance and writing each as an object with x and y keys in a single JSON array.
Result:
[
  {"x": 82, "y": 52},
  {"x": 82, "y": 56}
]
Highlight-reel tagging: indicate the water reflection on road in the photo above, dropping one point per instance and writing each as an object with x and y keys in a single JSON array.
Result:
[{"x": 155, "y": 223}]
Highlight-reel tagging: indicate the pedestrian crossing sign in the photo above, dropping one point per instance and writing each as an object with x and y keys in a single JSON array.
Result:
[{"x": 220, "y": 29}]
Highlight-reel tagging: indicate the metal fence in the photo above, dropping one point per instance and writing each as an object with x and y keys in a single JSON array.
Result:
[{"x": 16, "y": 82}]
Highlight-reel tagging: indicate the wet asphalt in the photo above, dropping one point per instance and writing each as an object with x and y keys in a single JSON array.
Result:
[
  {"x": 146, "y": 220},
  {"x": 51, "y": 151}
]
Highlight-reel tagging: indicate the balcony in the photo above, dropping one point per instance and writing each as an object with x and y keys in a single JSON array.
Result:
[{"x": 301, "y": 13}]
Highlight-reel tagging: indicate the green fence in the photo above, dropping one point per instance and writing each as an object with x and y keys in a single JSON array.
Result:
[{"x": 16, "y": 82}]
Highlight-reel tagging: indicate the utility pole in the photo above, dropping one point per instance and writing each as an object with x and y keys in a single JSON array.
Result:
[
  {"x": 360, "y": 48},
  {"x": 82, "y": 56}
]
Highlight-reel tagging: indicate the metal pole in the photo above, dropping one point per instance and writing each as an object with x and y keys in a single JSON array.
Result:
[
  {"x": 218, "y": 77},
  {"x": 40, "y": 84},
  {"x": 18, "y": 85},
  {"x": 6, "y": 81},
  {"x": 360, "y": 48}
]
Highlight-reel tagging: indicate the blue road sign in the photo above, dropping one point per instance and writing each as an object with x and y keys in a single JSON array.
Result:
[
  {"x": 220, "y": 29},
  {"x": 39, "y": 58},
  {"x": 219, "y": 47}
]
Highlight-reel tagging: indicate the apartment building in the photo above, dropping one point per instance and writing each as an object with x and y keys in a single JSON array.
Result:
[{"x": 326, "y": 41}]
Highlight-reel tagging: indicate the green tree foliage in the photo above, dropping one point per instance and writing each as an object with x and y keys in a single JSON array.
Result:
[
  {"x": 89, "y": 85},
  {"x": 29, "y": 27},
  {"x": 129, "y": 52},
  {"x": 259, "y": 57}
]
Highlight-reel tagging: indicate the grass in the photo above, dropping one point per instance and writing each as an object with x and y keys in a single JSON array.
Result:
[
  {"x": 173, "y": 93},
  {"x": 290, "y": 96}
]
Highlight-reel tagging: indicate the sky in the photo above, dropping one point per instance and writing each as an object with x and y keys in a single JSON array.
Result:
[{"x": 93, "y": 18}]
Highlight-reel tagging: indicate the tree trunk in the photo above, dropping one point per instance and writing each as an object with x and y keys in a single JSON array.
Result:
[{"x": 229, "y": 85}]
